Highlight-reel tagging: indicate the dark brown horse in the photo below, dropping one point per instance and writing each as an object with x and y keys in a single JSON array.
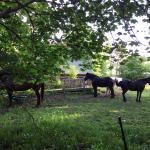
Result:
[
  {"x": 100, "y": 82},
  {"x": 37, "y": 87},
  {"x": 10, "y": 87},
  {"x": 136, "y": 85}
]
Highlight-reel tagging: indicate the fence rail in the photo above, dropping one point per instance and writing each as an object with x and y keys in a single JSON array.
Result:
[
  {"x": 69, "y": 83},
  {"x": 74, "y": 83}
]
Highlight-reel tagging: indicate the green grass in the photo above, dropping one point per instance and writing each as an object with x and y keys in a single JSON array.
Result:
[{"x": 77, "y": 122}]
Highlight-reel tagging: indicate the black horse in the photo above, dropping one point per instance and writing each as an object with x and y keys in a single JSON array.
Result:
[
  {"x": 10, "y": 87},
  {"x": 137, "y": 85},
  {"x": 100, "y": 82}
]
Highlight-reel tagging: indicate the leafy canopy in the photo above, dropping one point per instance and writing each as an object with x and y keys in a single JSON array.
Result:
[{"x": 29, "y": 41}]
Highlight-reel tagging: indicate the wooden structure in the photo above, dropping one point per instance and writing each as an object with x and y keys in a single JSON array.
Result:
[{"x": 74, "y": 85}]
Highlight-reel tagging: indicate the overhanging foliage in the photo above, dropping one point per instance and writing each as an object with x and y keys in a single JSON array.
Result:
[{"x": 29, "y": 44}]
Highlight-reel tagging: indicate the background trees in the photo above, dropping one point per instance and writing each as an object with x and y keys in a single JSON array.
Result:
[
  {"x": 38, "y": 37},
  {"x": 134, "y": 67}
]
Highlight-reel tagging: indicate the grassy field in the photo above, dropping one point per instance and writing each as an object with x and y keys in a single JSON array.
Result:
[{"x": 77, "y": 122}]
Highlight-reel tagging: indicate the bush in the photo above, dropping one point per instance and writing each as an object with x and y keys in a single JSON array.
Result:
[{"x": 73, "y": 72}]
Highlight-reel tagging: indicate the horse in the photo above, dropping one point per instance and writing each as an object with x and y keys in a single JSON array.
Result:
[
  {"x": 136, "y": 85},
  {"x": 100, "y": 82},
  {"x": 10, "y": 87}
]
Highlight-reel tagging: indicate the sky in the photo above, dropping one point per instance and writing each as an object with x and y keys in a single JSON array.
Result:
[{"x": 141, "y": 30}]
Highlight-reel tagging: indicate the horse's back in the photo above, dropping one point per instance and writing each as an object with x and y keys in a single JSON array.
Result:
[
  {"x": 22, "y": 87},
  {"x": 103, "y": 82},
  {"x": 132, "y": 85}
]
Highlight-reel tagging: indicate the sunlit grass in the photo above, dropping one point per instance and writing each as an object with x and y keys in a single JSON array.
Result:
[{"x": 77, "y": 121}]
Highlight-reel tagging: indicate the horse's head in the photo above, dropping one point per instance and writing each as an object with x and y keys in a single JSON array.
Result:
[
  {"x": 145, "y": 80},
  {"x": 90, "y": 76}
]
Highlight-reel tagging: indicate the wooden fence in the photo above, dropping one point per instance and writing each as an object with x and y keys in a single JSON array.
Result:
[
  {"x": 68, "y": 83},
  {"x": 75, "y": 83}
]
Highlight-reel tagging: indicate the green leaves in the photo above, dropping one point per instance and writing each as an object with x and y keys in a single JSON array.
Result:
[
  {"x": 132, "y": 68},
  {"x": 27, "y": 26}
]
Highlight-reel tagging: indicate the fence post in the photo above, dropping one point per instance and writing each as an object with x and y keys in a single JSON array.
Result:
[{"x": 123, "y": 135}]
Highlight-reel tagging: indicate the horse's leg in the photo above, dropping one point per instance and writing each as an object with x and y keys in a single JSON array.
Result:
[
  {"x": 38, "y": 96},
  {"x": 107, "y": 93},
  {"x": 137, "y": 97},
  {"x": 112, "y": 92},
  {"x": 95, "y": 91},
  {"x": 42, "y": 91},
  {"x": 140, "y": 96},
  {"x": 123, "y": 94},
  {"x": 10, "y": 93}
]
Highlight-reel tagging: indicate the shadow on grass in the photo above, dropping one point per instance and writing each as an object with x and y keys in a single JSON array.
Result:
[{"x": 76, "y": 121}]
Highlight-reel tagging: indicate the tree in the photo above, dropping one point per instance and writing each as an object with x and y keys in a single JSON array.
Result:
[
  {"x": 100, "y": 63},
  {"x": 146, "y": 66},
  {"x": 132, "y": 68},
  {"x": 29, "y": 43}
]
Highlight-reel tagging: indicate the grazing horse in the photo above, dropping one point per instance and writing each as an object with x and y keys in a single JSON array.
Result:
[
  {"x": 100, "y": 82},
  {"x": 137, "y": 85},
  {"x": 10, "y": 87}
]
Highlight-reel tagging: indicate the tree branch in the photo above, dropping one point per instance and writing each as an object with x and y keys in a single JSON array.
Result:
[
  {"x": 148, "y": 15},
  {"x": 7, "y": 12}
]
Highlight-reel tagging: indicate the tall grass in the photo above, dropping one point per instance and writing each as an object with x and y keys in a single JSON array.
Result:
[{"x": 75, "y": 122}]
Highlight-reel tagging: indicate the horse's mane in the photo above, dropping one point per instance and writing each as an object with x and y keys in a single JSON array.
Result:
[
  {"x": 91, "y": 74},
  {"x": 130, "y": 82},
  {"x": 148, "y": 78}
]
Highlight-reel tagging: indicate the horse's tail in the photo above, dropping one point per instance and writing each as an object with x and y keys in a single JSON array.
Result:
[
  {"x": 42, "y": 90},
  {"x": 117, "y": 83},
  {"x": 112, "y": 81}
]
